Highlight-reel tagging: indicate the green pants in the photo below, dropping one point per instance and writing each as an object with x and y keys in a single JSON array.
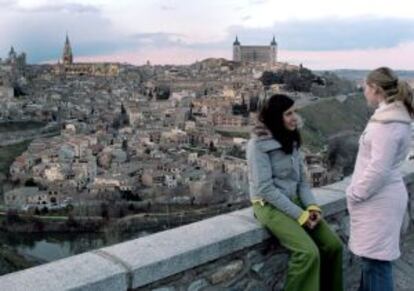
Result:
[{"x": 315, "y": 255}]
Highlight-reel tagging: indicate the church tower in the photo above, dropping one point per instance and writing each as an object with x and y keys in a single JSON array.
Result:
[
  {"x": 236, "y": 50},
  {"x": 273, "y": 51},
  {"x": 67, "y": 57},
  {"x": 12, "y": 56}
]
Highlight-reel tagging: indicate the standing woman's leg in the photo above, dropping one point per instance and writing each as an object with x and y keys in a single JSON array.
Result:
[
  {"x": 303, "y": 268},
  {"x": 376, "y": 275},
  {"x": 331, "y": 249}
]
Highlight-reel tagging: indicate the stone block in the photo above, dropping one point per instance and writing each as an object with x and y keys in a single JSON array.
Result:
[
  {"x": 198, "y": 285},
  {"x": 169, "y": 252},
  {"x": 88, "y": 271},
  {"x": 226, "y": 273},
  {"x": 164, "y": 289}
]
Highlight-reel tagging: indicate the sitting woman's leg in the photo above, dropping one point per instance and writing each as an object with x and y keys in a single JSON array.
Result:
[
  {"x": 330, "y": 248},
  {"x": 304, "y": 262}
]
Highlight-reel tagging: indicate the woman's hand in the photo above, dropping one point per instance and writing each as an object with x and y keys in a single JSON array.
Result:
[
  {"x": 314, "y": 218},
  {"x": 310, "y": 224}
]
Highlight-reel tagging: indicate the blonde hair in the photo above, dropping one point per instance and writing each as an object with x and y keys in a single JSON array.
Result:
[{"x": 391, "y": 87}]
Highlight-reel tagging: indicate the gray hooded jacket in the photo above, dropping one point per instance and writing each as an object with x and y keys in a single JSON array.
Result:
[{"x": 277, "y": 177}]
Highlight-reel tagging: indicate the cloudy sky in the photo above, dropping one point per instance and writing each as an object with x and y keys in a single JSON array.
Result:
[{"x": 321, "y": 34}]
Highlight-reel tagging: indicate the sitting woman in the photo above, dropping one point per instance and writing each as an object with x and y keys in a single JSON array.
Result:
[{"x": 283, "y": 201}]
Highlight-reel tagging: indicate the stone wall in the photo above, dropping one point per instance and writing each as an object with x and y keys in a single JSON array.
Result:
[
  {"x": 261, "y": 266},
  {"x": 227, "y": 252}
]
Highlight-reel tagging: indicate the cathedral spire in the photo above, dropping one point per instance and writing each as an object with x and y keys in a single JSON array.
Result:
[
  {"x": 273, "y": 41},
  {"x": 236, "y": 42},
  {"x": 12, "y": 55},
  {"x": 67, "y": 52}
]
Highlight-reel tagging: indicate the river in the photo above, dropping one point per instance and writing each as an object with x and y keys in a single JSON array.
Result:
[{"x": 36, "y": 249}]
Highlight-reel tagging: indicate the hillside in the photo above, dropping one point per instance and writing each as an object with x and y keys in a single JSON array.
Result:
[
  {"x": 358, "y": 75},
  {"x": 328, "y": 119}
]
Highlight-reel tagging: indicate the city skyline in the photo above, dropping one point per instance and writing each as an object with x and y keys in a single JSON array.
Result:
[{"x": 321, "y": 35}]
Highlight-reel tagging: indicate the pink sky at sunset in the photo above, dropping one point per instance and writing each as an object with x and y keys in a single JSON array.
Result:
[{"x": 401, "y": 57}]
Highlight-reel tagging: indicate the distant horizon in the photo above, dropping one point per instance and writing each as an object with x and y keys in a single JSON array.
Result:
[{"x": 85, "y": 61}]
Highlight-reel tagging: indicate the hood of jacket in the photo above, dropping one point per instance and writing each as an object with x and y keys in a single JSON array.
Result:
[
  {"x": 263, "y": 135},
  {"x": 392, "y": 112}
]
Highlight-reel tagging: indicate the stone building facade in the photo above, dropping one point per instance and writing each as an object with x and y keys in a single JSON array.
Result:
[
  {"x": 255, "y": 54},
  {"x": 69, "y": 67}
]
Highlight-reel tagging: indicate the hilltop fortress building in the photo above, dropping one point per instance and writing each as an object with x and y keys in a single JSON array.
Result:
[{"x": 255, "y": 54}]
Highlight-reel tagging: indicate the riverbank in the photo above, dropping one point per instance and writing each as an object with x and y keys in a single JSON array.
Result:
[
  {"x": 27, "y": 133},
  {"x": 13, "y": 126},
  {"x": 25, "y": 245},
  {"x": 9, "y": 153},
  {"x": 15, "y": 137},
  {"x": 146, "y": 221},
  {"x": 12, "y": 261}
]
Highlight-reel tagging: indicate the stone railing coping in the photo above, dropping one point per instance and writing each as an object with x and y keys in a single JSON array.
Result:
[
  {"x": 86, "y": 271},
  {"x": 145, "y": 260}
]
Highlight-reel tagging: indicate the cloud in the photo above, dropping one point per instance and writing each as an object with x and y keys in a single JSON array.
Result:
[
  {"x": 63, "y": 7},
  {"x": 399, "y": 57},
  {"x": 68, "y": 7},
  {"x": 170, "y": 55},
  {"x": 40, "y": 31},
  {"x": 247, "y": 17},
  {"x": 168, "y": 7},
  {"x": 258, "y": 2},
  {"x": 332, "y": 33},
  {"x": 159, "y": 39},
  {"x": 7, "y": 3},
  {"x": 314, "y": 35}
]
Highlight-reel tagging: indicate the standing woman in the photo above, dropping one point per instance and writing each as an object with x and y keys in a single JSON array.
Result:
[
  {"x": 283, "y": 201},
  {"x": 377, "y": 197}
]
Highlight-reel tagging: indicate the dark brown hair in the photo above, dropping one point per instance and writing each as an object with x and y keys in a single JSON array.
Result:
[{"x": 271, "y": 115}]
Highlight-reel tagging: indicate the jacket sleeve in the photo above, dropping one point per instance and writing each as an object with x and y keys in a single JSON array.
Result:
[
  {"x": 304, "y": 189},
  {"x": 384, "y": 148},
  {"x": 261, "y": 176}
]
